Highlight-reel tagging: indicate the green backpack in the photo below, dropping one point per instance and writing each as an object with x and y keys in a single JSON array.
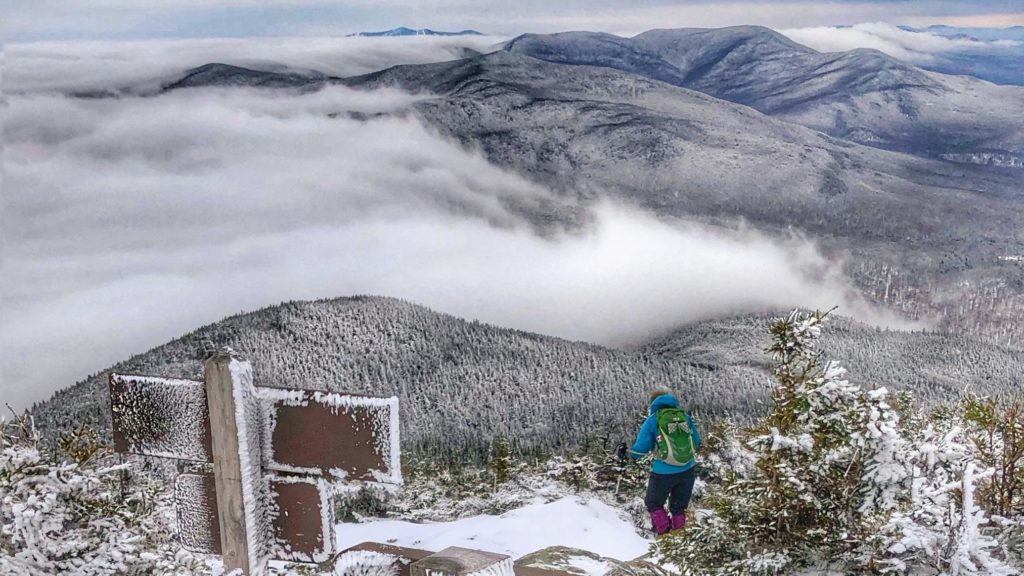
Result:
[{"x": 675, "y": 440}]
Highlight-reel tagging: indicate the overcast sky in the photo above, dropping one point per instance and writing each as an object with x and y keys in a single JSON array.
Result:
[{"x": 29, "y": 20}]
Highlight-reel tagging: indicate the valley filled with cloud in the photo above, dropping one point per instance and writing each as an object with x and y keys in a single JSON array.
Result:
[{"x": 130, "y": 221}]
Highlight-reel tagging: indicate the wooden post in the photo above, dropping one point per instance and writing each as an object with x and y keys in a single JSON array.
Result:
[{"x": 227, "y": 468}]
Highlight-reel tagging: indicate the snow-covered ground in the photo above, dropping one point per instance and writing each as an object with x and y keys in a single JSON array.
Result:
[{"x": 586, "y": 524}]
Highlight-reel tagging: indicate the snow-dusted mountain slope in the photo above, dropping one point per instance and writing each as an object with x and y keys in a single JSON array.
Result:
[
  {"x": 862, "y": 95},
  {"x": 937, "y": 367},
  {"x": 463, "y": 383}
]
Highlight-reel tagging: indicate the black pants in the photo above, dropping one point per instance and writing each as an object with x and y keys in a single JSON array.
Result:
[{"x": 676, "y": 488}]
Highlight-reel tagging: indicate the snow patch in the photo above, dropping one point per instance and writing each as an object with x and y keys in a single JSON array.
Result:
[{"x": 574, "y": 522}]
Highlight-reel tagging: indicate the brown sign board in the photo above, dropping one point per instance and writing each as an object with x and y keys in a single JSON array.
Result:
[
  {"x": 344, "y": 436},
  {"x": 302, "y": 521},
  {"x": 195, "y": 498},
  {"x": 163, "y": 417}
]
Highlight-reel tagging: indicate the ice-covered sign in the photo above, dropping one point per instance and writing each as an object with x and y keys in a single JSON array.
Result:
[
  {"x": 195, "y": 498},
  {"x": 357, "y": 436},
  {"x": 277, "y": 456},
  {"x": 163, "y": 417},
  {"x": 299, "y": 508}
]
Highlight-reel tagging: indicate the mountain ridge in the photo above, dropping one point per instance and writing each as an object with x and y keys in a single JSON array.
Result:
[
  {"x": 405, "y": 31},
  {"x": 462, "y": 383},
  {"x": 862, "y": 95}
]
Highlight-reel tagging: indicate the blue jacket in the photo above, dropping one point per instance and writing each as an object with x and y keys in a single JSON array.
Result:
[{"x": 647, "y": 440}]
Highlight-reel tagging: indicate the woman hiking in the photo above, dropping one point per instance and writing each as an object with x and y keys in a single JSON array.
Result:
[{"x": 672, "y": 434}]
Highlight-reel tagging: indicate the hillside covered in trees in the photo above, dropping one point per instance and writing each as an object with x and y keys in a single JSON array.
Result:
[
  {"x": 935, "y": 366},
  {"x": 464, "y": 383}
]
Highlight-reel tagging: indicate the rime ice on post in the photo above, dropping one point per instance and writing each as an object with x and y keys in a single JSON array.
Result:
[{"x": 239, "y": 507}]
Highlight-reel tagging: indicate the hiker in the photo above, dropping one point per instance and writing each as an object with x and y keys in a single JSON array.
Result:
[{"x": 673, "y": 436}]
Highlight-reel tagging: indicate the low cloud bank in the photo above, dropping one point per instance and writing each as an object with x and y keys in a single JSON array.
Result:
[
  {"x": 130, "y": 222},
  {"x": 99, "y": 65},
  {"x": 915, "y": 47}
]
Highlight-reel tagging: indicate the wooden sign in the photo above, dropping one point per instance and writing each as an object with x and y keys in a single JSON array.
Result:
[
  {"x": 162, "y": 417},
  {"x": 275, "y": 453},
  {"x": 303, "y": 519},
  {"x": 195, "y": 499},
  {"x": 355, "y": 435},
  {"x": 300, "y": 510}
]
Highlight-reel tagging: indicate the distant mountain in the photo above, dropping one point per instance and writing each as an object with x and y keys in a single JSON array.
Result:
[
  {"x": 862, "y": 95},
  {"x": 462, "y": 383},
  {"x": 403, "y": 31},
  {"x": 1002, "y": 61},
  {"x": 226, "y": 75},
  {"x": 1015, "y": 33}
]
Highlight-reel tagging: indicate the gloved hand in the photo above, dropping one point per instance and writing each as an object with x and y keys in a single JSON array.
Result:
[{"x": 620, "y": 451}]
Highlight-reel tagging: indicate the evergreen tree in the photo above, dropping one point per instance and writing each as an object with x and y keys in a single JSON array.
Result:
[
  {"x": 500, "y": 461},
  {"x": 75, "y": 517}
]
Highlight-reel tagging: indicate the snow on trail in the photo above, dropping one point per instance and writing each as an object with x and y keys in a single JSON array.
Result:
[{"x": 586, "y": 524}]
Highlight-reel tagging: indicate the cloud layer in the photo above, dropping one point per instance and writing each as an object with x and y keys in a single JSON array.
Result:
[
  {"x": 98, "y": 65},
  {"x": 131, "y": 221},
  {"x": 920, "y": 48}
]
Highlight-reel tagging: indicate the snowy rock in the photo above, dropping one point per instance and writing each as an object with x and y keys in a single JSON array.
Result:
[{"x": 457, "y": 561}]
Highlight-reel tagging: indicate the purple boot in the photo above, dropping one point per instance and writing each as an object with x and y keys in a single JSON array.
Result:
[
  {"x": 679, "y": 521},
  {"x": 660, "y": 521}
]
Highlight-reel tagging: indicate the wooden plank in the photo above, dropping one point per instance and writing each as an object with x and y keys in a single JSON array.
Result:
[
  {"x": 303, "y": 519},
  {"x": 164, "y": 417},
  {"x": 195, "y": 499},
  {"x": 301, "y": 530},
  {"x": 404, "y": 557},
  {"x": 537, "y": 571},
  {"x": 226, "y": 464},
  {"x": 457, "y": 561},
  {"x": 355, "y": 439}
]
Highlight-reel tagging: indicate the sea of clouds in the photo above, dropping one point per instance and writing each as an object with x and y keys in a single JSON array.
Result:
[
  {"x": 130, "y": 221},
  {"x": 991, "y": 54},
  {"x": 913, "y": 46}
]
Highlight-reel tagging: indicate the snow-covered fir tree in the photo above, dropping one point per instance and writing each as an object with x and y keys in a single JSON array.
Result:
[
  {"x": 80, "y": 516},
  {"x": 846, "y": 477}
]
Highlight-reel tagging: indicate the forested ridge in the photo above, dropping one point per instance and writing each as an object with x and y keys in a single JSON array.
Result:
[{"x": 463, "y": 383}]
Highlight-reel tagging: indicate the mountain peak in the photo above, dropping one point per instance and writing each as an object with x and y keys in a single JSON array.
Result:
[
  {"x": 228, "y": 75},
  {"x": 405, "y": 31}
]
